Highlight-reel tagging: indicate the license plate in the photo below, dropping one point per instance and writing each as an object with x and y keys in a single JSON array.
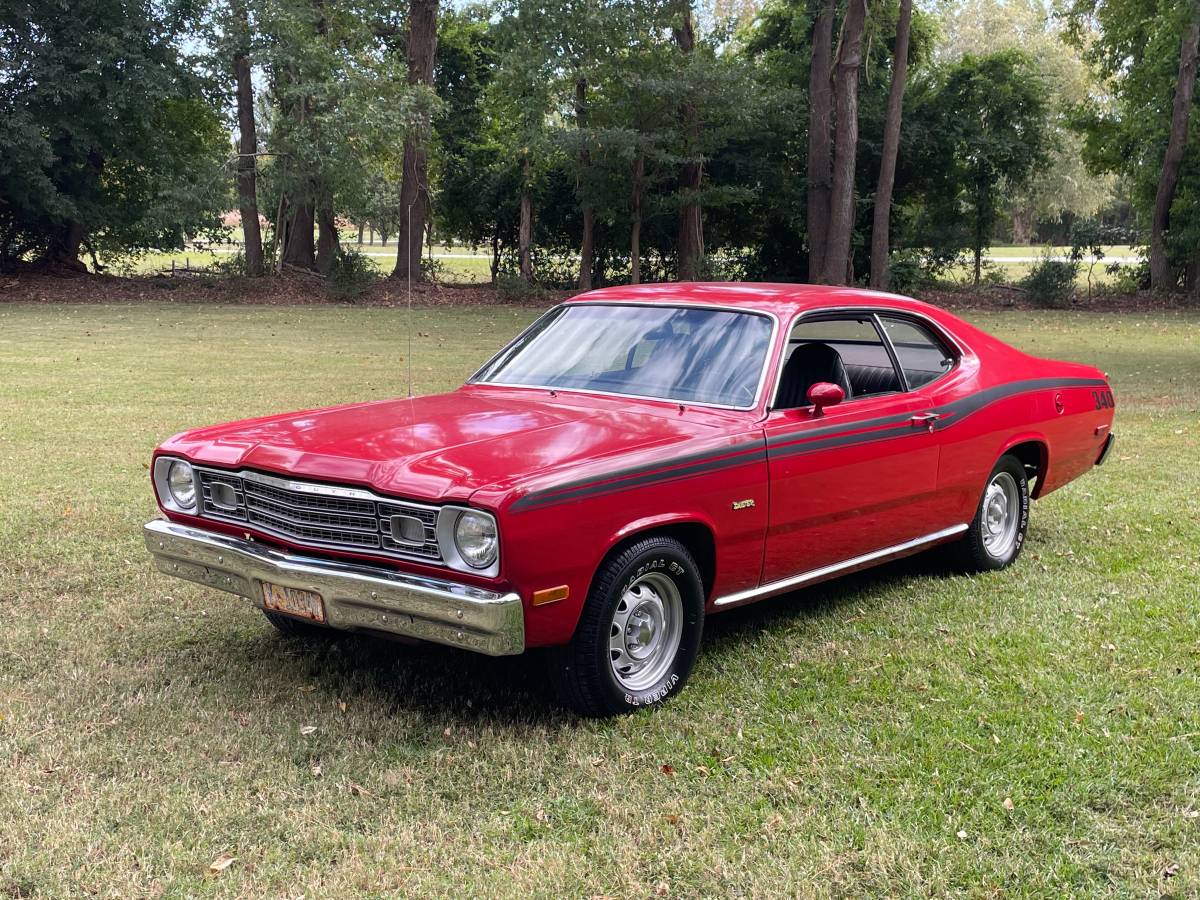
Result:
[{"x": 293, "y": 601}]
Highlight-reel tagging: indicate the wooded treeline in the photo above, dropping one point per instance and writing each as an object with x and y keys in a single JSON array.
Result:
[{"x": 588, "y": 142}]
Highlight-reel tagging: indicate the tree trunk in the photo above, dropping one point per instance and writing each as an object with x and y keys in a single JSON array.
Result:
[
  {"x": 1162, "y": 275},
  {"x": 635, "y": 230},
  {"x": 414, "y": 189},
  {"x": 845, "y": 145},
  {"x": 298, "y": 247},
  {"x": 63, "y": 251},
  {"x": 525, "y": 234},
  {"x": 820, "y": 139},
  {"x": 247, "y": 164},
  {"x": 587, "y": 241},
  {"x": 689, "y": 245},
  {"x": 494, "y": 265},
  {"x": 360, "y": 233},
  {"x": 327, "y": 240},
  {"x": 880, "y": 227}
]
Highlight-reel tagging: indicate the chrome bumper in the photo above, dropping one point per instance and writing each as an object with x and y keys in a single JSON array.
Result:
[{"x": 357, "y": 597}]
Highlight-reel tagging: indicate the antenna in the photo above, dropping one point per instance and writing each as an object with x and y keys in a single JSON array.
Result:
[{"x": 408, "y": 313}]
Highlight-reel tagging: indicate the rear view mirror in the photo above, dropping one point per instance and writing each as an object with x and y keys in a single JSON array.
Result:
[{"x": 823, "y": 394}]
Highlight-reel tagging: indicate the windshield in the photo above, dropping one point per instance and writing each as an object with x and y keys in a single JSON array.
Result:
[{"x": 686, "y": 354}]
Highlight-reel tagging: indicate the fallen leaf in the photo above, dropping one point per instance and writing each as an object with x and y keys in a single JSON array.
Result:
[
  {"x": 962, "y": 835},
  {"x": 673, "y": 819},
  {"x": 308, "y": 688},
  {"x": 541, "y": 816},
  {"x": 1008, "y": 804},
  {"x": 358, "y": 790},
  {"x": 1171, "y": 871},
  {"x": 668, "y": 769},
  {"x": 220, "y": 864},
  {"x": 316, "y": 770},
  {"x": 342, "y": 705},
  {"x": 307, "y": 729}
]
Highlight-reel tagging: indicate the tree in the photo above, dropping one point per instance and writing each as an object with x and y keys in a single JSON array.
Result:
[
  {"x": 1162, "y": 275},
  {"x": 247, "y": 164},
  {"x": 414, "y": 193},
  {"x": 1143, "y": 51},
  {"x": 836, "y": 267},
  {"x": 891, "y": 145},
  {"x": 689, "y": 246},
  {"x": 979, "y": 127},
  {"x": 1063, "y": 189},
  {"x": 111, "y": 143},
  {"x": 820, "y": 137}
]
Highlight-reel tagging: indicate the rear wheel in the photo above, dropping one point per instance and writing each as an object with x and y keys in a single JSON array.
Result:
[
  {"x": 639, "y": 632},
  {"x": 997, "y": 532},
  {"x": 297, "y": 628}
]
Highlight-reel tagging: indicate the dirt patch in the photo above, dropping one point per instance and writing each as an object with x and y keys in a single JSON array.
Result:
[{"x": 306, "y": 290}]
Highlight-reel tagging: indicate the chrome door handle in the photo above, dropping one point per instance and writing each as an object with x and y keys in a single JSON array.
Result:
[{"x": 926, "y": 419}]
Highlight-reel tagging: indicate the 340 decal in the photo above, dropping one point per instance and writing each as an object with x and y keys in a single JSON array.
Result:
[{"x": 1104, "y": 399}]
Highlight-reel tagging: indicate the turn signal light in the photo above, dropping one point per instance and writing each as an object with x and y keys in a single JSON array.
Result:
[{"x": 551, "y": 595}]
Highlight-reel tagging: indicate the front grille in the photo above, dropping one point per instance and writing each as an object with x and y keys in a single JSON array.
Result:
[{"x": 319, "y": 515}]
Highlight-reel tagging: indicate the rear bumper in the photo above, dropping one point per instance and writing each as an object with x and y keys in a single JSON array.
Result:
[
  {"x": 357, "y": 597},
  {"x": 1104, "y": 451}
]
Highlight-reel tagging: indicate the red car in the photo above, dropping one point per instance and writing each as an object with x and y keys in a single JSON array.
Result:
[{"x": 637, "y": 459}]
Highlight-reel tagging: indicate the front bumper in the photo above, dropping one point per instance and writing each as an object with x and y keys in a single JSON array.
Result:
[{"x": 357, "y": 597}]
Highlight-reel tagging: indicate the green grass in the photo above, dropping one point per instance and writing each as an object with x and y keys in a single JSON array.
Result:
[{"x": 832, "y": 742}]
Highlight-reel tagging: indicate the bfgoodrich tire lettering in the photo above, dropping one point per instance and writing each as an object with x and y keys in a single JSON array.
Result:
[
  {"x": 997, "y": 532},
  {"x": 639, "y": 632}
]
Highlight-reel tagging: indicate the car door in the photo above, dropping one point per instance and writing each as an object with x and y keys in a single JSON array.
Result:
[{"x": 859, "y": 477}]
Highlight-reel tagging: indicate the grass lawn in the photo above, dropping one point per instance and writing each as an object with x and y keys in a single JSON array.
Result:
[{"x": 899, "y": 732}]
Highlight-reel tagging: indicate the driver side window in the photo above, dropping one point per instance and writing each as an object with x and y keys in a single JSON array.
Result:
[{"x": 843, "y": 350}]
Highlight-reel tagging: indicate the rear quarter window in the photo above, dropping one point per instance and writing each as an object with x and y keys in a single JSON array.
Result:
[{"x": 922, "y": 355}]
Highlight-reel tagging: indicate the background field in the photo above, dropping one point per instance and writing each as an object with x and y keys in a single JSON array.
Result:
[
  {"x": 1032, "y": 732},
  {"x": 464, "y": 265}
]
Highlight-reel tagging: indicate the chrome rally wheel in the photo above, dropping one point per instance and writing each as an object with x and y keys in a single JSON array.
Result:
[
  {"x": 1000, "y": 519},
  {"x": 646, "y": 627},
  {"x": 997, "y": 533}
]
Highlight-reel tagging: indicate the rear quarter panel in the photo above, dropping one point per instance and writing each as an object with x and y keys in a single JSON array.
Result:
[{"x": 1014, "y": 398}]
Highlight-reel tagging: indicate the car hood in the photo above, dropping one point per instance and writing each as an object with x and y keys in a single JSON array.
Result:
[{"x": 445, "y": 446}]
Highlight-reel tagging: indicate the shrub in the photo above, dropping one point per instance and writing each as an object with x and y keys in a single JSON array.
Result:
[
  {"x": 513, "y": 289},
  {"x": 1051, "y": 282},
  {"x": 907, "y": 271},
  {"x": 350, "y": 274}
]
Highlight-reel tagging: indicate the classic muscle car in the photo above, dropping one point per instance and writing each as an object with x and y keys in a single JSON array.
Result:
[{"x": 637, "y": 459}]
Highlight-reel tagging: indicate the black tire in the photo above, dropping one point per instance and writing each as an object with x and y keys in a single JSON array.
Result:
[
  {"x": 974, "y": 554},
  {"x": 290, "y": 626},
  {"x": 584, "y": 671}
]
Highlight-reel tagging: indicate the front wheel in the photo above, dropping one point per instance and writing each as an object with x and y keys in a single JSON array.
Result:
[
  {"x": 997, "y": 532},
  {"x": 639, "y": 632}
]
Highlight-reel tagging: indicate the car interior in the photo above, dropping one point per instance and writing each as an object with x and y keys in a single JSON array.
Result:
[{"x": 850, "y": 353}]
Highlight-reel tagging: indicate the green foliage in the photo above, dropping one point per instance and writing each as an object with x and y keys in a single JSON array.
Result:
[
  {"x": 976, "y": 132},
  {"x": 1133, "y": 45},
  {"x": 351, "y": 274},
  {"x": 111, "y": 142},
  {"x": 1051, "y": 281}
]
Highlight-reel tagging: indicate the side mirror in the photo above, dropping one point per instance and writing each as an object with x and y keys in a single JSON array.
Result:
[{"x": 823, "y": 394}]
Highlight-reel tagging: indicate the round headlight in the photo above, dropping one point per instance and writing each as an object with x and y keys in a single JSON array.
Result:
[
  {"x": 476, "y": 539},
  {"x": 181, "y": 484}
]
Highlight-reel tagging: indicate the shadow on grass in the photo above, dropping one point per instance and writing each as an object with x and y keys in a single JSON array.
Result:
[{"x": 443, "y": 682}]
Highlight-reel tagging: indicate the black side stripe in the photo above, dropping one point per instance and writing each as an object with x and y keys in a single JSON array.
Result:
[
  {"x": 779, "y": 445},
  {"x": 540, "y": 499}
]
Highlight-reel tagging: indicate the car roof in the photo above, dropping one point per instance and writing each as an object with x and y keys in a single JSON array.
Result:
[{"x": 782, "y": 300}]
